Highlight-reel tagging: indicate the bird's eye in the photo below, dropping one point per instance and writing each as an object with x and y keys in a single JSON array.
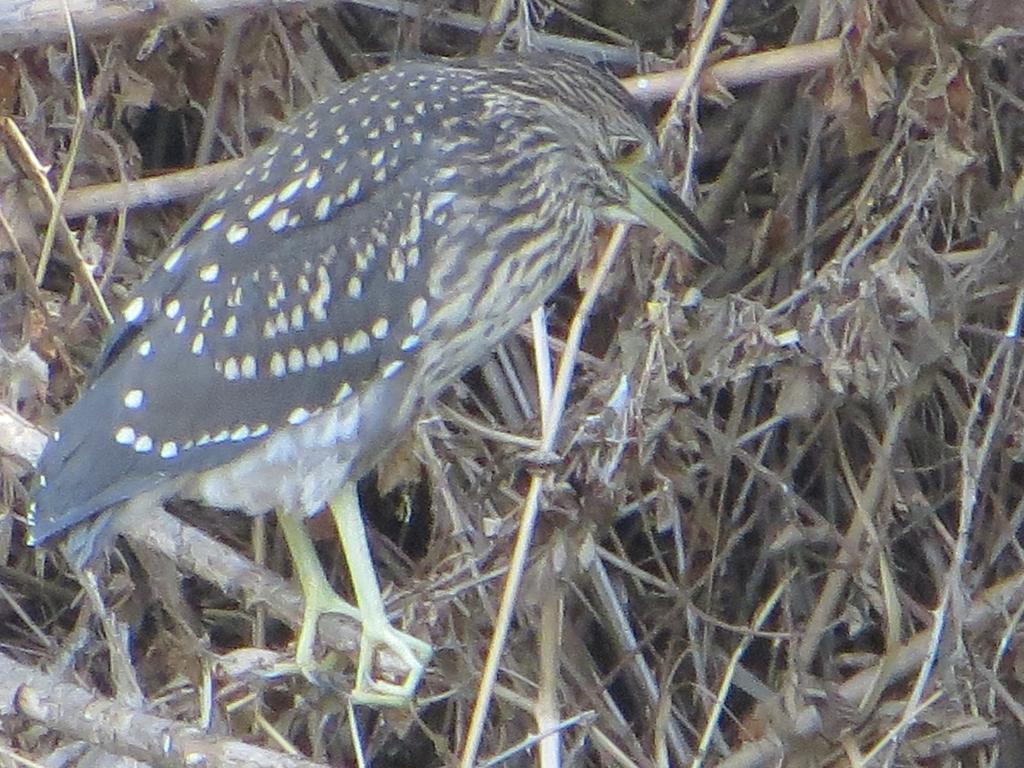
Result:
[{"x": 627, "y": 150}]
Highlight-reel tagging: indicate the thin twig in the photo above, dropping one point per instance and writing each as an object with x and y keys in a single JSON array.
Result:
[{"x": 30, "y": 165}]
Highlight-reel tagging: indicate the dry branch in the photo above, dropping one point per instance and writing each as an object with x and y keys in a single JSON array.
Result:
[{"x": 77, "y": 713}]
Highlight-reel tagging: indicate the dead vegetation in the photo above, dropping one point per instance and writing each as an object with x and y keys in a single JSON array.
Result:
[{"x": 776, "y": 525}]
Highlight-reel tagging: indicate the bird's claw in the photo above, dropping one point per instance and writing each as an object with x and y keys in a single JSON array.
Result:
[{"x": 413, "y": 653}]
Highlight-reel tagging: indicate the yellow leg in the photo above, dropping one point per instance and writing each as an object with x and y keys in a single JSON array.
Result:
[
  {"x": 320, "y": 598},
  {"x": 377, "y": 630},
  {"x": 318, "y": 595}
]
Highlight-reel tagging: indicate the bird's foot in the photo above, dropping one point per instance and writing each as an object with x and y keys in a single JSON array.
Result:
[
  {"x": 413, "y": 653},
  {"x": 405, "y": 656},
  {"x": 318, "y": 603}
]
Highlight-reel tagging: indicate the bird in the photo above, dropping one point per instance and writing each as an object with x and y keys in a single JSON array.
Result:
[{"x": 378, "y": 245}]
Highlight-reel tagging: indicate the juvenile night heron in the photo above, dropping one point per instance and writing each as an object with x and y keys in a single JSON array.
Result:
[{"x": 368, "y": 254}]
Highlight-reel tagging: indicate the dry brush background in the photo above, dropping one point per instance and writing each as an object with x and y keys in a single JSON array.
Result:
[{"x": 780, "y": 524}]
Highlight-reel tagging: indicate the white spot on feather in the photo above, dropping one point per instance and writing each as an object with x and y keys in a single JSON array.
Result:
[
  {"x": 212, "y": 221},
  {"x": 298, "y": 416},
  {"x": 260, "y": 207},
  {"x": 277, "y": 365},
  {"x": 209, "y": 273},
  {"x": 173, "y": 259},
  {"x": 357, "y": 342},
  {"x": 133, "y": 310},
  {"x": 236, "y": 233}
]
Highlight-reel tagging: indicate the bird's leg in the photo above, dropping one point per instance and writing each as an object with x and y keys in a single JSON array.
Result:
[
  {"x": 319, "y": 597},
  {"x": 377, "y": 631}
]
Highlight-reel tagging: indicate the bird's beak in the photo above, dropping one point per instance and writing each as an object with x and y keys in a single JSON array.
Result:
[{"x": 655, "y": 204}]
